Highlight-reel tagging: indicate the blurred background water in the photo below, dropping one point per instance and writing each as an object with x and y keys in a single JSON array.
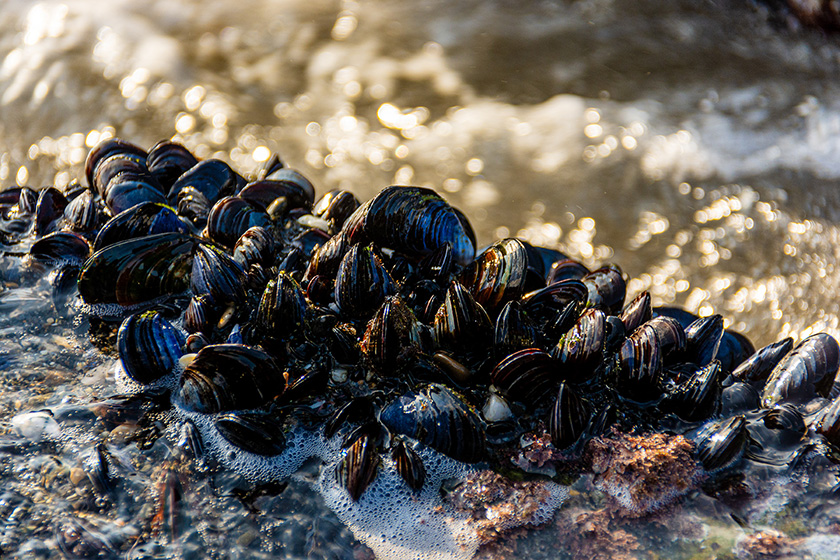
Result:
[{"x": 695, "y": 144}]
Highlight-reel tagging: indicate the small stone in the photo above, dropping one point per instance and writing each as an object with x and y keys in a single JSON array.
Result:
[{"x": 77, "y": 476}]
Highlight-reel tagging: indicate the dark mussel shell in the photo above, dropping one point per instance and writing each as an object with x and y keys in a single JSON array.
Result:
[
  {"x": 212, "y": 177},
  {"x": 435, "y": 416},
  {"x": 107, "y": 148},
  {"x": 230, "y": 218},
  {"x": 138, "y": 270},
  {"x": 255, "y": 432},
  {"x": 437, "y": 265},
  {"x": 310, "y": 239},
  {"x": 147, "y": 218},
  {"x": 335, "y": 207},
  {"x": 703, "y": 339},
  {"x": 194, "y": 206},
  {"x": 255, "y": 246},
  {"x": 734, "y": 350},
  {"x": 461, "y": 324},
  {"x": 217, "y": 274},
  {"x": 362, "y": 283},
  {"x": 392, "y": 335},
  {"x": 568, "y": 418},
  {"x": 82, "y": 214},
  {"x": 580, "y": 351},
  {"x": 149, "y": 347},
  {"x": 606, "y": 288},
  {"x": 203, "y": 315},
  {"x": 49, "y": 208},
  {"x": 737, "y": 398},
  {"x": 327, "y": 258},
  {"x": 412, "y": 220},
  {"x": 671, "y": 336},
  {"x": 61, "y": 246},
  {"x": 698, "y": 397},
  {"x": 409, "y": 465},
  {"x": 757, "y": 368},
  {"x": 555, "y": 308},
  {"x": 636, "y": 313},
  {"x": 286, "y": 175},
  {"x": 358, "y": 468},
  {"x": 721, "y": 444},
  {"x": 123, "y": 194},
  {"x": 281, "y": 314},
  {"x": 500, "y": 274},
  {"x": 119, "y": 168},
  {"x": 640, "y": 365},
  {"x": 169, "y": 160},
  {"x": 262, "y": 194},
  {"x": 566, "y": 269},
  {"x": 809, "y": 370},
  {"x": 228, "y": 377},
  {"x": 514, "y": 330},
  {"x": 828, "y": 422},
  {"x": 526, "y": 376}
]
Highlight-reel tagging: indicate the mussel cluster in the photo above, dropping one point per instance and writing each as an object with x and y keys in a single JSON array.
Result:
[{"x": 256, "y": 307}]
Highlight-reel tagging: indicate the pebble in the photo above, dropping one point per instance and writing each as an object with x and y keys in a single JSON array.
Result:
[{"x": 77, "y": 476}]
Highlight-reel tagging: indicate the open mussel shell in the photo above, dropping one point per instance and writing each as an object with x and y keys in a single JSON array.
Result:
[
  {"x": 149, "y": 347},
  {"x": 636, "y": 313},
  {"x": 500, "y": 274},
  {"x": 230, "y": 217},
  {"x": 606, "y": 289},
  {"x": 639, "y": 365},
  {"x": 580, "y": 351},
  {"x": 392, "y": 335},
  {"x": 435, "y": 416},
  {"x": 721, "y": 444},
  {"x": 809, "y": 370},
  {"x": 362, "y": 283},
  {"x": 461, "y": 324},
  {"x": 698, "y": 397},
  {"x": 212, "y": 177},
  {"x": 526, "y": 376},
  {"x": 255, "y": 432},
  {"x": 138, "y": 270},
  {"x": 358, "y": 468},
  {"x": 228, "y": 377},
  {"x": 409, "y": 465},
  {"x": 568, "y": 418},
  {"x": 217, "y": 274},
  {"x": 282, "y": 311},
  {"x": 147, "y": 218},
  {"x": 412, "y": 220},
  {"x": 757, "y": 368},
  {"x": 169, "y": 160},
  {"x": 61, "y": 246}
]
